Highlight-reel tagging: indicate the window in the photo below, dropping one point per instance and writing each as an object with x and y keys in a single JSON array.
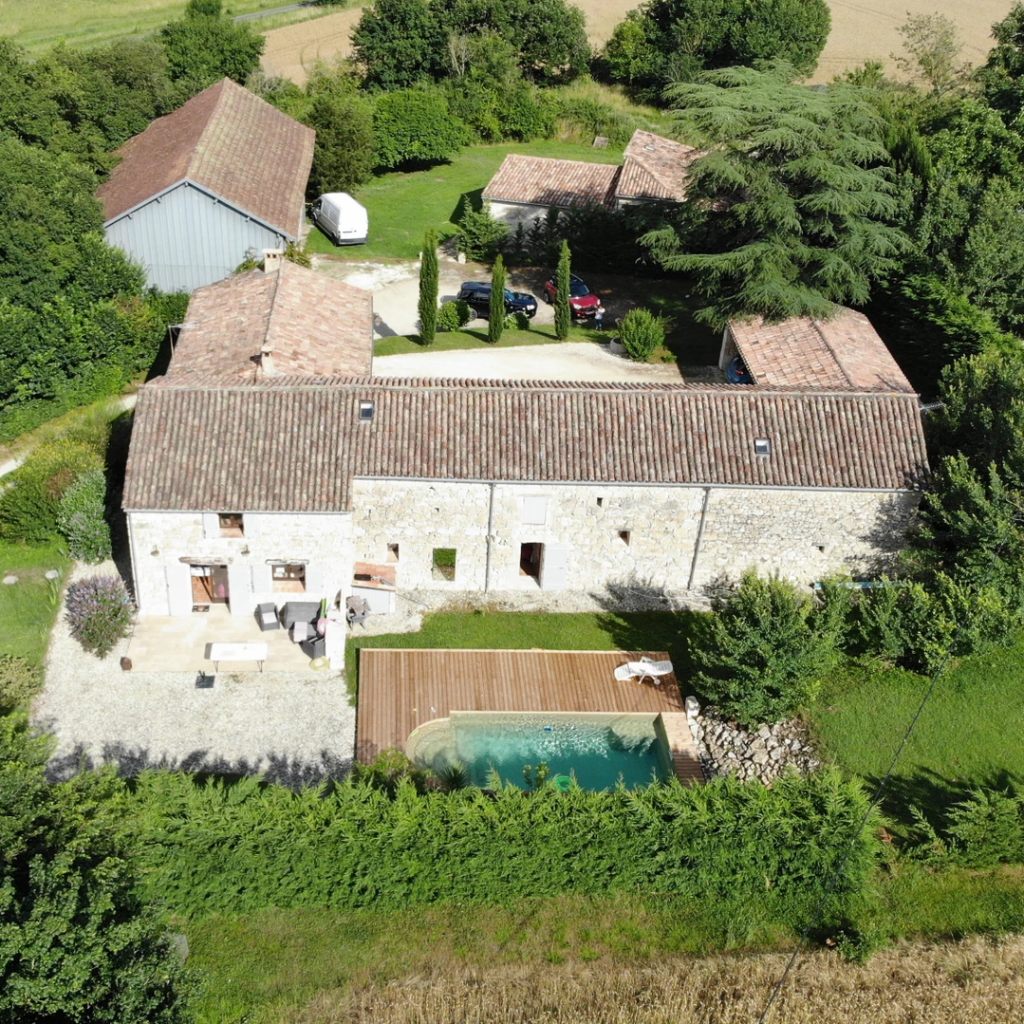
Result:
[
  {"x": 289, "y": 578},
  {"x": 600, "y": 502},
  {"x": 624, "y": 536},
  {"x": 762, "y": 446},
  {"x": 230, "y": 524},
  {"x": 444, "y": 564},
  {"x": 365, "y": 412},
  {"x": 392, "y": 552},
  {"x": 530, "y": 556}
]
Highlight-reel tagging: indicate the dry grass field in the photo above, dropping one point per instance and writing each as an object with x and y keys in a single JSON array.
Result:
[
  {"x": 978, "y": 981},
  {"x": 861, "y": 30}
]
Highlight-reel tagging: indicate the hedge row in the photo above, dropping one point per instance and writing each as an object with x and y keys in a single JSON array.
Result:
[{"x": 209, "y": 847}]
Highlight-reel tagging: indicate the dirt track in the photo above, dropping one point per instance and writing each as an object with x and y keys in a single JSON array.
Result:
[{"x": 861, "y": 30}]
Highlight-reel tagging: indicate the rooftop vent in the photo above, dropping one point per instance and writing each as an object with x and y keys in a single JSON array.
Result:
[
  {"x": 762, "y": 446},
  {"x": 272, "y": 260},
  {"x": 365, "y": 411}
]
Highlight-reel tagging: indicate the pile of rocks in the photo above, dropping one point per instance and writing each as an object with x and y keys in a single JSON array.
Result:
[{"x": 726, "y": 748}]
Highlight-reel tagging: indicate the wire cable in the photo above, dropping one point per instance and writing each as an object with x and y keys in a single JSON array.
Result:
[{"x": 875, "y": 801}]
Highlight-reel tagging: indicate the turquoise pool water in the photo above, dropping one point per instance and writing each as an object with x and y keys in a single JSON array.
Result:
[{"x": 598, "y": 750}]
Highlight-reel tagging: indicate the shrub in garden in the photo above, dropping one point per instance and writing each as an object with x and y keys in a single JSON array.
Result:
[
  {"x": 99, "y": 613},
  {"x": 19, "y": 682},
  {"x": 81, "y": 517},
  {"x": 480, "y": 236},
  {"x": 641, "y": 332},
  {"x": 414, "y": 126},
  {"x": 30, "y": 504},
  {"x": 760, "y": 655},
  {"x": 453, "y": 315}
]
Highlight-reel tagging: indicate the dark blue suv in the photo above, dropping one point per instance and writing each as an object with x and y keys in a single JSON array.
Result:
[{"x": 478, "y": 296}]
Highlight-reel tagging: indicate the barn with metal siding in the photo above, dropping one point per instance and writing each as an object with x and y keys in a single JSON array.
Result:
[{"x": 223, "y": 175}]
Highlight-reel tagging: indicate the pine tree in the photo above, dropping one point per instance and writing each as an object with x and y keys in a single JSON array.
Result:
[
  {"x": 428, "y": 289},
  {"x": 563, "y": 314},
  {"x": 496, "y": 322},
  {"x": 791, "y": 211}
]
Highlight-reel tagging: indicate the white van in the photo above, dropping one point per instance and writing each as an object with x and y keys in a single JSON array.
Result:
[{"x": 341, "y": 218}]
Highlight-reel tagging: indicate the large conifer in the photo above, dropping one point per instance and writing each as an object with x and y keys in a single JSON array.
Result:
[
  {"x": 496, "y": 322},
  {"x": 563, "y": 314},
  {"x": 428, "y": 289}
]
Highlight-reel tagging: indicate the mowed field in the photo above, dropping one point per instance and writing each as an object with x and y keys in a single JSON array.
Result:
[
  {"x": 861, "y": 30},
  {"x": 38, "y": 24}
]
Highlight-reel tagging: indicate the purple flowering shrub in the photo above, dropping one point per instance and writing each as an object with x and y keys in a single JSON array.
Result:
[{"x": 99, "y": 613}]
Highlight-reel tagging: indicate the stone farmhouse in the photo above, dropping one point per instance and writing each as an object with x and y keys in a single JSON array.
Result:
[
  {"x": 653, "y": 169},
  {"x": 221, "y": 176},
  {"x": 268, "y": 461}
]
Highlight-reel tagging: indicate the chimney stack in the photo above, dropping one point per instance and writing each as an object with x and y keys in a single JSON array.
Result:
[
  {"x": 267, "y": 367},
  {"x": 272, "y": 260}
]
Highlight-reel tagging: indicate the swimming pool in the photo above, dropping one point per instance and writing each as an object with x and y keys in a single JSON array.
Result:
[{"x": 596, "y": 749}]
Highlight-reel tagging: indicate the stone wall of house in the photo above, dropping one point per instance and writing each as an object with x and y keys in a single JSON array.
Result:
[
  {"x": 160, "y": 540},
  {"x": 600, "y": 538}
]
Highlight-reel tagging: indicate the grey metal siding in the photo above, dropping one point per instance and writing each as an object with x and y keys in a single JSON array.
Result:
[{"x": 186, "y": 239}]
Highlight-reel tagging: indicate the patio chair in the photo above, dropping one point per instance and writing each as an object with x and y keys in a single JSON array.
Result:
[
  {"x": 653, "y": 669},
  {"x": 631, "y": 670},
  {"x": 357, "y": 610}
]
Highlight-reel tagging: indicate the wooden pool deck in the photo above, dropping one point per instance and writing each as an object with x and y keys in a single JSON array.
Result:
[{"x": 401, "y": 689}]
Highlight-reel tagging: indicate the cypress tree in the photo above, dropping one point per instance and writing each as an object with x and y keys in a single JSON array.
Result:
[
  {"x": 428, "y": 289},
  {"x": 563, "y": 315},
  {"x": 496, "y": 323}
]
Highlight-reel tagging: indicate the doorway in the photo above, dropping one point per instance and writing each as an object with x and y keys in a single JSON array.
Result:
[
  {"x": 209, "y": 584},
  {"x": 529, "y": 560}
]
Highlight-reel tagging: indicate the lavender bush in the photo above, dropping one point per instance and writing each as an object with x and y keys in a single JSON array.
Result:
[{"x": 99, "y": 613}]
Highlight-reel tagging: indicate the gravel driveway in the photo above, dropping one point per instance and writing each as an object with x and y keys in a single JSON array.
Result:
[{"x": 294, "y": 727}]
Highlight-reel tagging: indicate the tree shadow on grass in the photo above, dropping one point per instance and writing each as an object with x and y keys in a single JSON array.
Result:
[
  {"x": 934, "y": 794},
  {"x": 664, "y": 627}
]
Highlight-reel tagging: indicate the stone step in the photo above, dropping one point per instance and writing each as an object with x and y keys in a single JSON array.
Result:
[{"x": 682, "y": 749}]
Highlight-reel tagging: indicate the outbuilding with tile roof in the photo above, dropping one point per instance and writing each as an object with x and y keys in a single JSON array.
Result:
[{"x": 222, "y": 176}]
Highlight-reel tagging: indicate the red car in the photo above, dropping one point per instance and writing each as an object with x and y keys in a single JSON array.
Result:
[{"x": 582, "y": 301}]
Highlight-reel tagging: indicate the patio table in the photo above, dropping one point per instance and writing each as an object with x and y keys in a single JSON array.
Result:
[{"x": 236, "y": 652}]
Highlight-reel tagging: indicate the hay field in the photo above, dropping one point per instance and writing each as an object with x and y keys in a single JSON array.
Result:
[
  {"x": 861, "y": 30},
  {"x": 978, "y": 981}
]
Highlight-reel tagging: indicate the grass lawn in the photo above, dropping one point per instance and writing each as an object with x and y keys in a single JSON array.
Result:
[
  {"x": 38, "y": 24},
  {"x": 473, "y": 337},
  {"x": 403, "y": 205},
  {"x": 969, "y": 734},
  {"x": 28, "y": 608}
]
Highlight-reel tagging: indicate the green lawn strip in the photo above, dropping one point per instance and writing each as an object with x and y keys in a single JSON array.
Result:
[
  {"x": 259, "y": 967},
  {"x": 969, "y": 733},
  {"x": 949, "y": 903},
  {"x": 403, "y": 205},
  {"x": 603, "y": 631},
  {"x": 37, "y": 24},
  {"x": 28, "y": 608}
]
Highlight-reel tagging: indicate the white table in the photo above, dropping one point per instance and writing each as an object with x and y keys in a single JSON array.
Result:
[{"x": 236, "y": 652}]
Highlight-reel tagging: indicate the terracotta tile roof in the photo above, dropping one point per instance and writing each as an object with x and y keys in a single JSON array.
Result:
[
  {"x": 544, "y": 181},
  {"x": 843, "y": 352},
  {"x": 655, "y": 168},
  {"x": 228, "y": 141},
  {"x": 313, "y": 324},
  {"x": 290, "y": 445}
]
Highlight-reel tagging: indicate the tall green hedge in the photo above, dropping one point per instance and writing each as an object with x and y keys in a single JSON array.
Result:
[{"x": 214, "y": 848}]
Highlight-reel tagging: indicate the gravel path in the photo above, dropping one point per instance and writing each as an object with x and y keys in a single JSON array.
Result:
[{"x": 294, "y": 727}]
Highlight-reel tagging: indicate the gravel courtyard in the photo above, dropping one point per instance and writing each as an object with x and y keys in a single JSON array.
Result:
[
  {"x": 295, "y": 727},
  {"x": 565, "y": 361}
]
